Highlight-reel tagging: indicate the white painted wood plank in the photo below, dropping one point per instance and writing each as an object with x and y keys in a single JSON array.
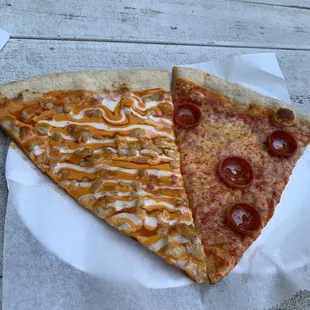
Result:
[
  {"x": 213, "y": 22},
  {"x": 303, "y": 4},
  {"x": 24, "y": 58}
]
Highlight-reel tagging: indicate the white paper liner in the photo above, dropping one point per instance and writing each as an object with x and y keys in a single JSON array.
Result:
[
  {"x": 4, "y": 37},
  {"x": 83, "y": 241}
]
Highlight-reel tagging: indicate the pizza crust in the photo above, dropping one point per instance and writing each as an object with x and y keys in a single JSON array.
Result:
[
  {"x": 220, "y": 260},
  {"x": 241, "y": 95},
  {"x": 173, "y": 235},
  {"x": 93, "y": 80}
]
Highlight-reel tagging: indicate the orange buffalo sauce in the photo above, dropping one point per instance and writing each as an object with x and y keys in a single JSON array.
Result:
[{"x": 115, "y": 153}]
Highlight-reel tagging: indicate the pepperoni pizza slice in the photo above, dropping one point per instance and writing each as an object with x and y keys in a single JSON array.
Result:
[
  {"x": 107, "y": 138},
  {"x": 238, "y": 149}
]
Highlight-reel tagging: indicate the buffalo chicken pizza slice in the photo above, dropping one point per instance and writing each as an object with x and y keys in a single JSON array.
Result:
[
  {"x": 238, "y": 149},
  {"x": 107, "y": 138}
]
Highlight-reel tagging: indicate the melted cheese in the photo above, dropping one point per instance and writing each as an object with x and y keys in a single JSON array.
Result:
[
  {"x": 150, "y": 130},
  {"x": 135, "y": 188},
  {"x": 150, "y": 117},
  {"x": 127, "y": 217},
  {"x": 128, "y": 194},
  {"x": 123, "y": 112},
  {"x": 157, "y": 246},
  {"x": 65, "y": 137},
  {"x": 150, "y": 204},
  {"x": 81, "y": 115},
  {"x": 70, "y": 151},
  {"x": 150, "y": 222},
  {"x": 37, "y": 150},
  {"x": 108, "y": 100},
  {"x": 120, "y": 205},
  {"x": 159, "y": 173},
  {"x": 116, "y": 181}
]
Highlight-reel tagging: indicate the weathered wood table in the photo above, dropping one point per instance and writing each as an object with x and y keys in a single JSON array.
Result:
[{"x": 56, "y": 36}]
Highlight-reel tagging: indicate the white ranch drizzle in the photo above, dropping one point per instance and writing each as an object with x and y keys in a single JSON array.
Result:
[
  {"x": 123, "y": 112},
  {"x": 140, "y": 193},
  {"x": 159, "y": 173},
  {"x": 90, "y": 183},
  {"x": 125, "y": 199},
  {"x": 101, "y": 126}
]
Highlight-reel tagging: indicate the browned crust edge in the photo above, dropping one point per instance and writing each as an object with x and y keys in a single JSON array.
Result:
[{"x": 241, "y": 95}]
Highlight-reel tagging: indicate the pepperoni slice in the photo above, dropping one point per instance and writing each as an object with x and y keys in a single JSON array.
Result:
[
  {"x": 282, "y": 144},
  {"x": 235, "y": 172},
  {"x": 187, "y": 115},
  {"x": 243, "y": 218}
]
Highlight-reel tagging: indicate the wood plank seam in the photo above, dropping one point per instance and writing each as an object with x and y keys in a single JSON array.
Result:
[
  {"x": 275, "y": 4},
  {"x": 25, "y": 58},
  {"x": 161, "y": 42},
  {"x": 189, "y": 22}
]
